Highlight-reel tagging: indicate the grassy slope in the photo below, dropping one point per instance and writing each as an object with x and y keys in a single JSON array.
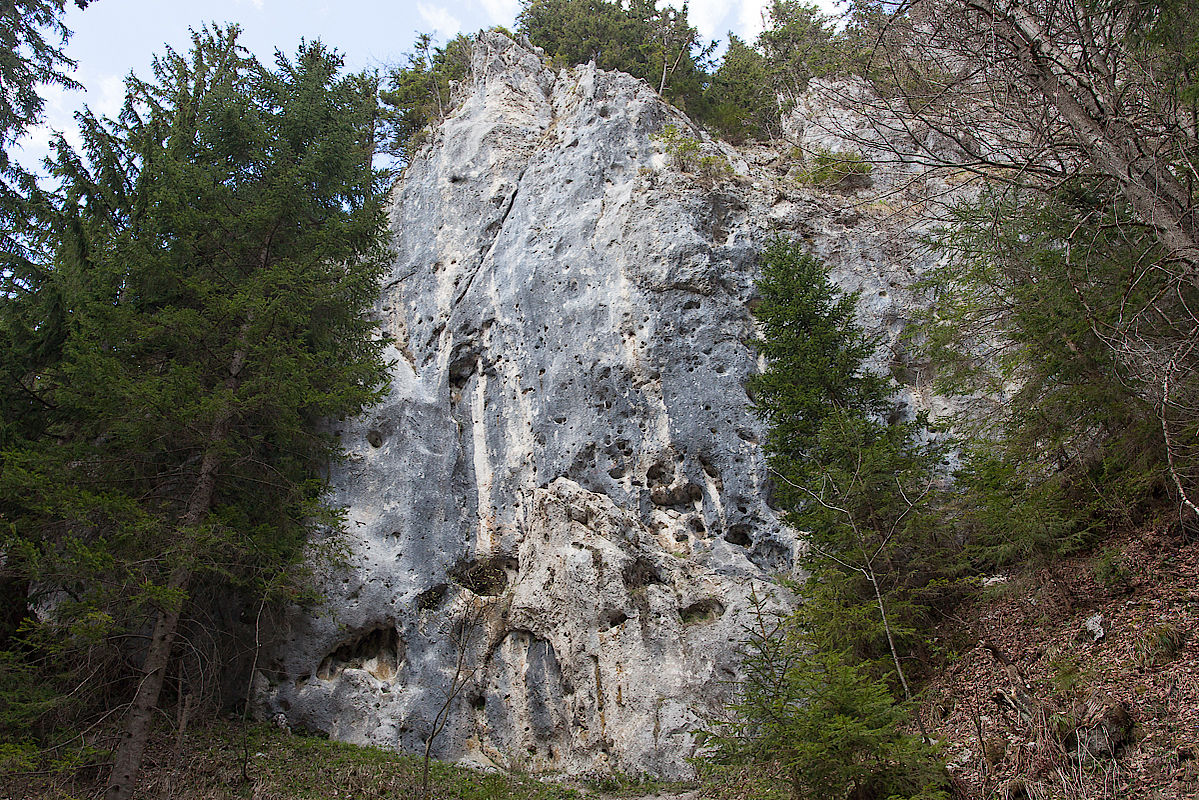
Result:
[
  {"x": 209, "y": 766},
  {"x": 279, "y": 766}
]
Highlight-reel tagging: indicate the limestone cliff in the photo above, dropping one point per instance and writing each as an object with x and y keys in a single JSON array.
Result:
[{"x": 558, "y": 516}]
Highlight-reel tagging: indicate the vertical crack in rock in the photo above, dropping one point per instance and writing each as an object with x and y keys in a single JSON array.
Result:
[{"x": 498, "y": 227}]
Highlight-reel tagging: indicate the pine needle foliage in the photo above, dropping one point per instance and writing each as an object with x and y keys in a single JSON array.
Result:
[
  {"x": 32, "y": 37},
  {"x": 418, "y": 93},
  {"x": 826, "y": 692},
  {"x": 220, "y": 246},
  {"x": 1053, "y": 306},
  {"x": 829, "y": 727}
]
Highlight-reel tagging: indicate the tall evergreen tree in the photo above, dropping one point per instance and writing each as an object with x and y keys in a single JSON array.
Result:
[
  {"x": 820, "y": 693},
  {"x": 220, "y": 245},
  {"x": 32, "y": 37}
]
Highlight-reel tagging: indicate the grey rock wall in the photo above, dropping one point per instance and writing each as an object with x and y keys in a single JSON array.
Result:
[{"x": 558, "y": 517}]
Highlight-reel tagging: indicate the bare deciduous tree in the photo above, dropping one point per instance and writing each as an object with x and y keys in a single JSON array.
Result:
[{"x": 1048, "y": 95}]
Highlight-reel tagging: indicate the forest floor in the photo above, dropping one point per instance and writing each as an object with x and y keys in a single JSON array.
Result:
[
  {"x": 1098, "y": 646},
  {"x": 222, "y": 760}
]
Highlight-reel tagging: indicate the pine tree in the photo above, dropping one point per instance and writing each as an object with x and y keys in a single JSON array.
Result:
[
  {"x": 219, "y": 248},
  {"x": 32, "y": 38},
  {"x": 418, "y": 92},
  {"x": 820, "y": 688},
  {"x": 655, "y": 44}
]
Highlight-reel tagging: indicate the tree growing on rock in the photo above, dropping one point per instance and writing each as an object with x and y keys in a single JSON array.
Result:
[
  {"x": 655, "y": 44},
  {"x": 418, "y": 93}
]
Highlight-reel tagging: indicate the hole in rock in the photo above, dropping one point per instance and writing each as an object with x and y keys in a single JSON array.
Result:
[
  {"x": 612, "y": 619},
  {"x": 640, "y": 573},
  {"x": 431, "y": 598},
  {"x": 707, "y": 610},
  {"x": 658, "y": 474},
  {"x": 739, "y": 535},
  {"x": 376, "y": 651},
  {"x": 486, "y": 577},
  {"x": 712, "y": 472},
  {"x": 375, "y": 437},
  {"x": 463, "y": 363}
]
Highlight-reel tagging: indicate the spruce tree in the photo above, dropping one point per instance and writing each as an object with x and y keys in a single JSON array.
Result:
[
  {"x": 219, "y": 247},
  {"x": 826, "y": 692}
]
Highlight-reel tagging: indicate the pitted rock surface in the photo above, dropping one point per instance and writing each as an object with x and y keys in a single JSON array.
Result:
[{"x": 558, "y": 518}]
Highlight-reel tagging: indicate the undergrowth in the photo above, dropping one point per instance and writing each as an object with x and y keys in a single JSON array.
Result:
[{"x": 216, "y": 763}]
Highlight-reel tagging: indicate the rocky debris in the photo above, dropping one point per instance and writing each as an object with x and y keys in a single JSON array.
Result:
[
  {"x": 1101, "y": 726},
  {"x": 1092, "y": 629}
]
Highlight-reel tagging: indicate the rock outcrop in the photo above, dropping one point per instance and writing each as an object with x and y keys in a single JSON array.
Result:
[{"x": 559, "y": 517}]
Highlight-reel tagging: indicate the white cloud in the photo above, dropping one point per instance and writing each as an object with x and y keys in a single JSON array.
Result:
[
  {"x": 57, "y": 114},
  {"x": 439, "y": 19},
  {"x": 108, "y": 96},
  {"x": 715, "y": 18},
  {"x": 501, "y": 12},
  {"x": 707, "y": 16},
  {"x": 749, "y": 19}
]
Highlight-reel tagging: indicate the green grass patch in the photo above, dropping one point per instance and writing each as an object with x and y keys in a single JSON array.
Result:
[{"x": 215, "y": 763}]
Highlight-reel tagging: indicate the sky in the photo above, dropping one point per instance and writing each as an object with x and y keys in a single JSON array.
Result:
[{"x": 115, "y": 37}]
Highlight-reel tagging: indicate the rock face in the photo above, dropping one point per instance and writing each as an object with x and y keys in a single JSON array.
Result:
[{"x": 558, "y": 518}]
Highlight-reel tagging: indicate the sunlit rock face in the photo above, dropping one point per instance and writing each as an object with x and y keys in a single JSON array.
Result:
[{"x": 559, "y": 517}]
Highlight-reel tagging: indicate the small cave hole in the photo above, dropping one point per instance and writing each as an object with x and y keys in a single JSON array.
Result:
[
  {"x": 376, "y": 651},
  {"x": 374, "y": 437},
  {"x": 703, "y": 611},
  {"x": 484, "y": 577},
  {"x": 640, "y": 573},
  {"x": 431, "y": 598},
  {"x": 613, "y": 619},
  {"x": 739, "y": 535},
  {"x": 658, "y": 474}
]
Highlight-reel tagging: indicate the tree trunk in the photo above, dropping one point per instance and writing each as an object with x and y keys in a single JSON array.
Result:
[
  {"x": 1156, "y": 195},
  {"x": 128, "y": 759},
  {"x": 133, "y": 739}
]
